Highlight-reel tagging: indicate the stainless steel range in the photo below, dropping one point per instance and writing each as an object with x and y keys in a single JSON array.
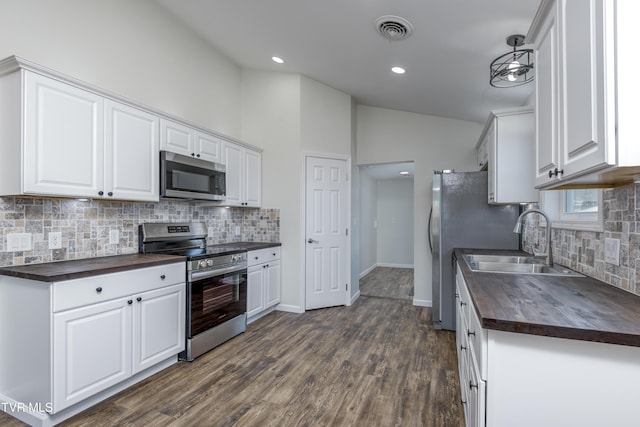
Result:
[{"x": 216, "y": 283}]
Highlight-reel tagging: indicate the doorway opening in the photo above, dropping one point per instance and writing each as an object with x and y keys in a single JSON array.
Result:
[{"x": 386, "y": 230}]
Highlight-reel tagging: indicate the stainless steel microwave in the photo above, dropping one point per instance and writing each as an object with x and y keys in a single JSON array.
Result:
[{"x": 185, "y": 177}]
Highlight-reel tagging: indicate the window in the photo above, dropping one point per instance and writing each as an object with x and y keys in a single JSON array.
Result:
[{"x": 579, "y": 209}]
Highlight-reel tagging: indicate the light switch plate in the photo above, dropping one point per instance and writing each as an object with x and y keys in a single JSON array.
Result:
[
  {"x": 18, "y": 242},
  {"x": 114, "y": 237},
  {"x": 612, "y": 251}
]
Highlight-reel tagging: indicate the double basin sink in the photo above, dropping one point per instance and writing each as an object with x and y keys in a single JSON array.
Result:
[{"x": 515, "y": 265}]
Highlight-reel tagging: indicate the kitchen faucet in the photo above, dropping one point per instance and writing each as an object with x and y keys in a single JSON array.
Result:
[{"x": 518, "y": 229}]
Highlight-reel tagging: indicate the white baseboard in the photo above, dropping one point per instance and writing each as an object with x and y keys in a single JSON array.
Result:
[
  {"x": 290, "y": 308},
  {"x": 367, "y": 271},
  {"x": 355, "y": 296},
  {"x": 386, "y": 264},
  {"x": 422, "y": 302}
]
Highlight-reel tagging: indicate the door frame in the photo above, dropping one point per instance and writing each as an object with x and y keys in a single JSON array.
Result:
[{"x": 303, "y": 223}]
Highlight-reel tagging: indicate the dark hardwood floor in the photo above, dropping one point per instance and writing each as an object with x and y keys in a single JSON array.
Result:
[
  {"x": 387, "y": 282},
  {"x": 376, "y": 363}
]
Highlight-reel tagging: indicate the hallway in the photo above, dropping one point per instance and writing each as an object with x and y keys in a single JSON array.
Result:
[{"x": 387, "y": 282}]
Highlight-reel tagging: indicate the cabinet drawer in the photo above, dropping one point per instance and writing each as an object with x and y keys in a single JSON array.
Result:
[
  {"x": 91, "y": 290},
  {"x": 263, "y": 255}
]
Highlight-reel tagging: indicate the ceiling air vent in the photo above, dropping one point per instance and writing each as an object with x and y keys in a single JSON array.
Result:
[{"x": 393, "y": 27}]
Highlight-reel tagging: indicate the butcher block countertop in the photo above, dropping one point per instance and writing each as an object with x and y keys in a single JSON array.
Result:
[
  {"x": 75, "y": 269},
  {"x": 580, "y": 308}
]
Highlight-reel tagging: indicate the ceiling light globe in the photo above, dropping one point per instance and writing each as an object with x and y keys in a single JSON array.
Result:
[{"x": 398, "y": 70}]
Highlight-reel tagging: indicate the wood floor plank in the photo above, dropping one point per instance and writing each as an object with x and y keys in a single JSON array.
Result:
[{"x": 376, "y": 363}]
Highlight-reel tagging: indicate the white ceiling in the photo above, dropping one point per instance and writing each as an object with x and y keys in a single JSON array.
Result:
[{"x": 335, "y": 42}]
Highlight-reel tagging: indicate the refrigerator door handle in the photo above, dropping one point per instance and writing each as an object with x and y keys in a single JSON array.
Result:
[{"x": 430, "y": 242}]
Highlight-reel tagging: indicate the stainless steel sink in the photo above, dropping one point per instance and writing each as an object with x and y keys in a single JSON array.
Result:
[
  {"x": 515, "y": 265},
  {"x": 504, "y": 259}
]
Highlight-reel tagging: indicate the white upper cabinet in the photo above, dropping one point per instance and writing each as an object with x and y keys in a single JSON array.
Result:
[
  {"x": 585, "y": 95},
  {"x": 74, "y": 142},
  {"x": 181, "y": 139},
  {"x": 131, "y": 153},
  {"x": 509, "y": 143},
  {"x": 63, "y": 139},
  {"x": 243, "y": 176}
]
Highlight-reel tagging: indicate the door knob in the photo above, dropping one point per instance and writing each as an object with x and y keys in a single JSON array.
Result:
[{"x": 312, "y": 240}]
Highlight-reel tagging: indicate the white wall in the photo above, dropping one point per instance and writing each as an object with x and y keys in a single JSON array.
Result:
[
  {"x": 288, "y": 114},
  {"x": 395, "y": 222},
  {"x": 132, "y": 48},
  {"x": 385, "y": 136},
  {"x": 368, "y": 216}
]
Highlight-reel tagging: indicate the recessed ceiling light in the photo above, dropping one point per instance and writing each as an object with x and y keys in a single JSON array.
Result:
[
  {"x": 277, "y": 59},
  {"x": 398, "y": 70},
  {"x": 405, "y": 173}
]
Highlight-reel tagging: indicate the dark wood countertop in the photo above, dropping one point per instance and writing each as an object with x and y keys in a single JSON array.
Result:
[
  {"x": 75, "y": 269},
  {"x": 580, "y": 308}
]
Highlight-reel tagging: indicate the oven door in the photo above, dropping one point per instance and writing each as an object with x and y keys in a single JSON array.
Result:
[{"x": 216, "y": 299}]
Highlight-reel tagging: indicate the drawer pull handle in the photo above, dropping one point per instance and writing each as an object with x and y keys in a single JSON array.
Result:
[
  {"x": 163, "y": 277},
  {"x": 464, "y": 402},
  {"x": 462, "y": 348},
  {"x": 139, "y": 299},
  {"x": 469, "y": 333},
  {"x": 99, "y": 289},
  {"x": 130, "y": 302},
  {"x": 472, "y": 385},
  {"x": 462, "y": 303}
]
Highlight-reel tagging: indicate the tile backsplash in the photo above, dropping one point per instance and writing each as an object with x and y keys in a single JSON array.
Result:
[
  {"x": 85, "y": 225},
  {"x": 583, "y": 251}
]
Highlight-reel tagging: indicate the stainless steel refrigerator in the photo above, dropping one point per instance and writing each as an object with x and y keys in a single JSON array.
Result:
[{"x": 460, "y": 217}]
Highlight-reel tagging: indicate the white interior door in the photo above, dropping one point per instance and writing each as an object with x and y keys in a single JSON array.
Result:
[{"x": 326, "y": 232}]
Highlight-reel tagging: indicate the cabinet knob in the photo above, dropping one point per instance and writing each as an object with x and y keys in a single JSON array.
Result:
[
  {"x": 109, "y": 194},
  {"x": 139, "y": 299},
  {"x": 163, "y": 277},
  {"x": 274, "y": 254},
  {"x": 193, "y": 154},
  {"x": 100, "y": 193},
  {"x": 197, "y": 155},
  {"x": 256, "y": 257},
  {"x": 130, "y": 302},
  {"x": 99, "y": 289}
]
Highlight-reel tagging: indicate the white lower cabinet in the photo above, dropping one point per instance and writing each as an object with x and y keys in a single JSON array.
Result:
[
  {"x": 514, "y": 379},
  {"x": 263, "y": 282},
  {"x": 82, "y": 340}
]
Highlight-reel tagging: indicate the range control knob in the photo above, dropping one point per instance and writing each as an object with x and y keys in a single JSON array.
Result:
[
  {"x": 202, "y": 263},
  {"x": 209, "y": 262}
]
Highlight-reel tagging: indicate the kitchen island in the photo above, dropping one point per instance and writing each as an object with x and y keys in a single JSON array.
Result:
[{"x": 545, "y": 350}]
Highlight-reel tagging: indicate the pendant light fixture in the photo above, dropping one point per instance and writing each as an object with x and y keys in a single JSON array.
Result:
[{"x": 513, "y": 68}]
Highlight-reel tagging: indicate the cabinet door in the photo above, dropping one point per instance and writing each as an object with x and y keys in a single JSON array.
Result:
[
  {"x": 63, "y": 138},
  {"x": 546, "y": 93},
  {"x": 490, "y": 143},
  {"x": 91, "y": 350},
  {"x": 252, "y": 178},
  {"x": 233, "y": 159},
  {"x": 208, "y": 147},
  {"x": 131, "y": 153},
  {"x": 582, "y": 95},
  {"x": 177, "y": 138},
  {"x": 255, "y": 290},
  {"x": 158, "y": 325},
  {"x": 272, "y": 285}
]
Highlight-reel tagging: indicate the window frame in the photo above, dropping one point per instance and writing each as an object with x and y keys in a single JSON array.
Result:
[{"x": 553, "y": 202}]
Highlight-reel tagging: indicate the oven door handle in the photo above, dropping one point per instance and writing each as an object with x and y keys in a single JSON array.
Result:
[{"x": 198, "y": 275}]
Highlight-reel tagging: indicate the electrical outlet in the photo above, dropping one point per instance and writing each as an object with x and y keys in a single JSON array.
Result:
[
  {"x": 237, "y": 230},
  {"x": 114, "y": 237},
  {"x": 612, "y": 251},
  {"x": 55, "y": 240},
  {"x": 18, "y": 242}
]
